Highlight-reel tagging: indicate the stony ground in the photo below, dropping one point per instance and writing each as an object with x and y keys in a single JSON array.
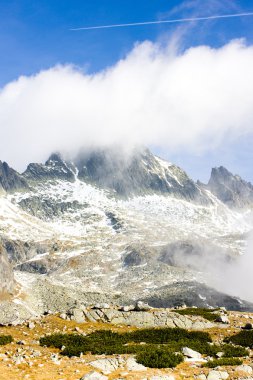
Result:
[{"x": 26, "y": 359}]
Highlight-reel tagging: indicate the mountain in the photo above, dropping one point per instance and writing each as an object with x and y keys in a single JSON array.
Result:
[
  {"x": 230, "y": 189},
  {"x": 110, "y": 227}
]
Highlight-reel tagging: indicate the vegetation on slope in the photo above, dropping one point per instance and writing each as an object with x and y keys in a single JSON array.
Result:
[
  {"x": 243, "y": 338},
  {"x": 156, "y": 348}
]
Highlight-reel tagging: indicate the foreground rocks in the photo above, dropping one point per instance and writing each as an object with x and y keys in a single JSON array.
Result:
[{"x": 26, "y": 359}]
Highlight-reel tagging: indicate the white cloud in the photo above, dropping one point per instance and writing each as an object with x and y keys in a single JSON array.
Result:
[{"x": 191, "y": 101}]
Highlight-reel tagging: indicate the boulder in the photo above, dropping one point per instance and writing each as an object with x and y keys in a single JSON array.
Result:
[
  {"x": 244, "y": 368},
  {"x": 222, "y": 319},
  {"x": 127, "y": 308},
  {"x": 248, "y": 326},
  {"x": 142, "y": 306},
  {"x": 189, "y": 353},
  {"x": 217, "y": 375},
  {"x": 77, "y": 315},
  {"x": 107, "y": 366},
  {"x": 132, "y": 365}
]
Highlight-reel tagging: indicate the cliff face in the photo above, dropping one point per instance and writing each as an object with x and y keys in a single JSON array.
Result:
[{"x": 6, "y": 273}]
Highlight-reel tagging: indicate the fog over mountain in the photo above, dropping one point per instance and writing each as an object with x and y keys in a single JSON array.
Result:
[{"x": 190, "y": 101}]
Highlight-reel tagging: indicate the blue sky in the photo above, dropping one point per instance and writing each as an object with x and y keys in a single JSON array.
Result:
[{"x": 35, "y": 35}]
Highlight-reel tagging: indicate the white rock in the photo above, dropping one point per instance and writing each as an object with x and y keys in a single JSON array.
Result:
[
  {"x": 18, "y": 360},
  {"x": 107, "y": 366},
  {"x": 142, "y": 306},
  {"x": 127, "y": 308},
  {"x": 132, "y": 365},
  {"x": 201, "y": 377},
  {"x": 94, "y": 376},
  {"x": 31, "y": 325},
  {"x": 55, "y": 359},
  {"x": 217, "y": 375},
  {"x": 244, "y": 368},
  {"x": 102, "y": 306},
  {"x": 191, "y": 353},
  {"x": 222, "y": 319}
]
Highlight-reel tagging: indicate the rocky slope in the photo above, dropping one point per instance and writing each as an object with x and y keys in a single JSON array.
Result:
[{"x": 106, "y": 226}]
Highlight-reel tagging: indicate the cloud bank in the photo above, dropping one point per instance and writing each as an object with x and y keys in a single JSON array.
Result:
[{"x": 191, "y": 101}]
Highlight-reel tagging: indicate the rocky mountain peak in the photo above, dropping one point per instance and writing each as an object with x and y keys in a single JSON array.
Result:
[
  {"x": 230, "y": 189},
  {"x": 55, "y": 168},
  {"x": 137, "y": 173},
  {"x": 55, "y": 158},
  {"x": 10, "y": 180}
]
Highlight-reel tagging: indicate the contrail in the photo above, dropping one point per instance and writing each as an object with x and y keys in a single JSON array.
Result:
[{"x": 164, "y": 21}]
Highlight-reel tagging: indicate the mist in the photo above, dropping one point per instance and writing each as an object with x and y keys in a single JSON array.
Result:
[
  {"x": 220, "y": 268},
  {"x": 191, "y": 101},
  {"x": 235, "y": 278}
]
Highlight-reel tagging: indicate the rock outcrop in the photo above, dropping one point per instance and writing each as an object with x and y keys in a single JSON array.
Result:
[{"x": 148, "y": 319}]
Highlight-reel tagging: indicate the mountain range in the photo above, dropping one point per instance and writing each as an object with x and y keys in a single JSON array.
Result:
[{"x": 117, "y": 227}]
